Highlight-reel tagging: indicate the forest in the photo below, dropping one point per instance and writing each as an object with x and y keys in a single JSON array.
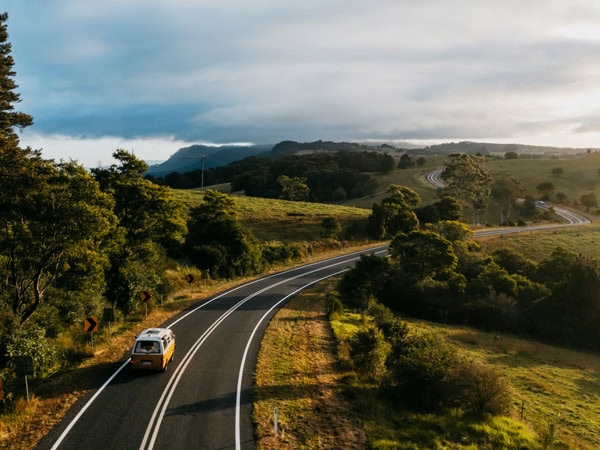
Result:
[{"x": 324, "y": 176}]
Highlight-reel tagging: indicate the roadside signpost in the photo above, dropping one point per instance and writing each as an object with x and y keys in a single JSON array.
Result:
[
  {"x": 90, "y": 325},
  {"x": 24, "y": 367},
  {"x": 146, "y": 296},
  {"x": 190, "y": 279}
]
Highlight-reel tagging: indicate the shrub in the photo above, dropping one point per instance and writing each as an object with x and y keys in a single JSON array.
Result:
[
  {"x": 420, "y": 365},
  {"x": 392, "y": 327},
  {"x": 278, "y": 252},
  {"x": 477, "y": 388},
  {"x": 31, "y": 341},
  {"x": 369, "y": 351},
  {"x": 335, "y": 307}
]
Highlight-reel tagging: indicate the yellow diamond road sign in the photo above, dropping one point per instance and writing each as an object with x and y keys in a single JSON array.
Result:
[{"x": 90, "y": 324}]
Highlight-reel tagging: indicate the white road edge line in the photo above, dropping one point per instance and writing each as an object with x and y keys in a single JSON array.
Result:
[
  {"x": 156, "y": 421},
  {"x": 238, "y": 394},
  {"x": 71, "y": 424}
]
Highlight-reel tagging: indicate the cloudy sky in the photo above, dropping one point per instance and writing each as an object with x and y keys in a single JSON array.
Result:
[{"x": 155, "y": 75}]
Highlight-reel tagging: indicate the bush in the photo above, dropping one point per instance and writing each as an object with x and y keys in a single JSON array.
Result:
[
  {"x": 477, "y": 388},
  {"x": 31, "y": 341},
  {"x": 335, "y": 307},
  {"x": 369, "y": 351},
  {"x": 421, "y": 363},
  {"x": 392, "y": 327},
  {"x": 278, "y": 252}
]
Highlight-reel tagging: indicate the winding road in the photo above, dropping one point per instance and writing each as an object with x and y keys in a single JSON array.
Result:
[
  {"x": 570, "y": 217},
  {"x": 204, "y": 400}
]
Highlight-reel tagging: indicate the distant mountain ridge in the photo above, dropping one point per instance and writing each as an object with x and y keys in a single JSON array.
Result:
[
  {"x": 485, "y": 148},
  {"x": 190, "y": 158}
]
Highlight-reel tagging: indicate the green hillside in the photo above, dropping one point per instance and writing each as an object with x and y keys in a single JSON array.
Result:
[{"x": 282, "y": 220}]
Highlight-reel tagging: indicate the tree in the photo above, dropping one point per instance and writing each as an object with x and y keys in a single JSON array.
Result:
[
  {"x": 557, "y": 171},
  {"x": 552, "y": 270},
  {"x": 405, "y": 161},
  {"x": 447, "y": 208},
  {"x": 9, "y": 118},
  {"x": 364, "y": 280},
  {"x": 453, "y": 230},
  {"x": 571, "y": 313},
  {"x": 369, "y": 351},
  {"x": 422, "y": 254},
  {"x": 511, "y": 155},
  {"x": 151, "y": 222},
  {"x": 514, "y": 262},
  {"x": 588, "y": 201},
  {"x": 294, "y": 188},
  {"x": 54, "y": 218},
  {"x": 385, "y": 163},
  {"x": 394, "y": 214},
  {"x": 505, "y": 191},
  {"x": 216, "y": 241},
  {"x": 331, "y": 227},
  {"x": 468, "y": 180},
  {"x": 545, "y": 189}
]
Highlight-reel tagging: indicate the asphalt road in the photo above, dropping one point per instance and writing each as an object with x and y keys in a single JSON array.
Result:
[
  {"x": 204, "y": 400},
  {"x": 570, "y": 217}
]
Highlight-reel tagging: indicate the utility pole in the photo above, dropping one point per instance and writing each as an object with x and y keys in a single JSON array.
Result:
[{"x": 202, "y": 157}]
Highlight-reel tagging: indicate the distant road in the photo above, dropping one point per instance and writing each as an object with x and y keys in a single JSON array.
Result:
[
  {"x": 570, "y": 217},
  {"x": 434, "y": 178}
]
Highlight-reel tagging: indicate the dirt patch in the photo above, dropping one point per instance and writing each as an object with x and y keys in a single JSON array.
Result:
[{"x": 297, "y": 373}]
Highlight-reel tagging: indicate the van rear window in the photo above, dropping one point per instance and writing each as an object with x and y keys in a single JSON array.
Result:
[{"x": 147, "y": 347}]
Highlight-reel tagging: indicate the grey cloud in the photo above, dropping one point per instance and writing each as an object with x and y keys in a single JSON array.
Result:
[{"x": 265, "y": 70}]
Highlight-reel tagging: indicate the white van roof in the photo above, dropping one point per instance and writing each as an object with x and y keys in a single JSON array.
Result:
[{"x": 153, "y": 333}]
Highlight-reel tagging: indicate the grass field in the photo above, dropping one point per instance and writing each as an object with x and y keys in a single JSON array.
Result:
[
  {"x": 538, "y": 245},
  {"x": 281, "y": 220},
  {"x": 555, "y": 391}
]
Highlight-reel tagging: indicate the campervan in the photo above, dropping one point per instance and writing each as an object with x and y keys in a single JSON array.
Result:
[{"x": 153, "y": 349}]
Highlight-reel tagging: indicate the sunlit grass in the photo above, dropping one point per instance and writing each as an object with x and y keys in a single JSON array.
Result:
[
  {"x": 540, "y": 244},
  {"x": 282, "y": 220},
  {"x": 552, "y": 387}
]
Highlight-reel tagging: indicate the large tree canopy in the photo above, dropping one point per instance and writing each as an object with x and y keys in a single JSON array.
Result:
[
  {"x": 51, "y": 214},
  {"x": 423, "y": 253},
  {"x": 150, "y": 222},
  {"x": 394, "y": 214},
  {"x": 505, "y": 191},
  {"x": 217, "y": 241},
  {"x": 467, "y": 179}
]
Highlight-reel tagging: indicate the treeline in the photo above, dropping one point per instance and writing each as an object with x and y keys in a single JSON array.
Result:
[
  {"x": 74, "y": 243},
  {"x": 328, "y": 176}
]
